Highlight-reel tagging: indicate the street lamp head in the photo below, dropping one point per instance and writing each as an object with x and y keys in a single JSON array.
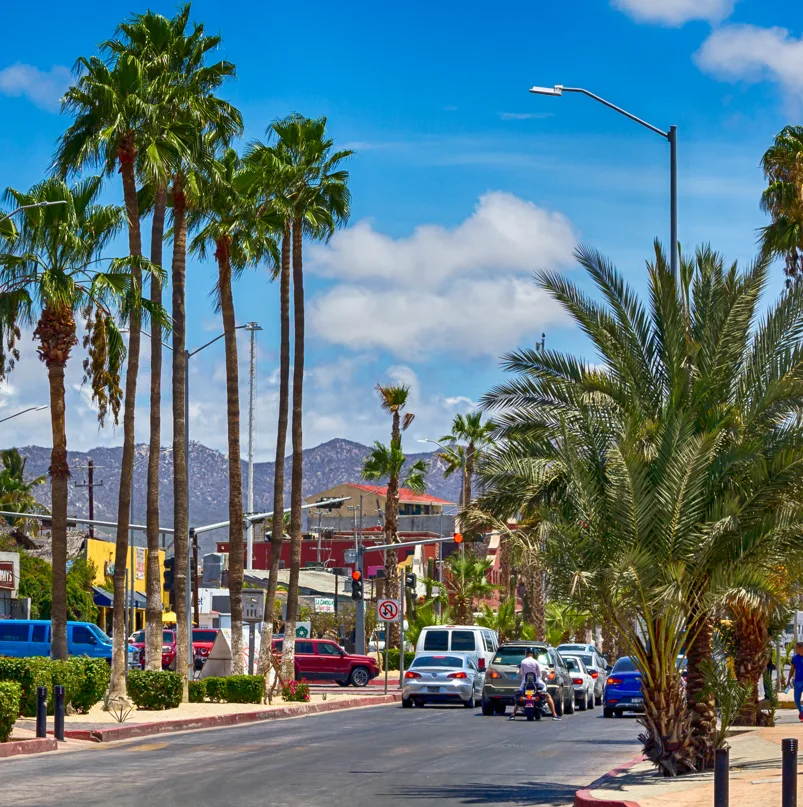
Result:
[
  {"x": 252, "y": 326},
  {"x": 556, "y": 90},
  {"x": 40, "y": 408}
]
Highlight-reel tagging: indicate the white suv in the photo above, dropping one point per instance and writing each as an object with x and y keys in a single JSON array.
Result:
[{"x": 470, "y": 640}]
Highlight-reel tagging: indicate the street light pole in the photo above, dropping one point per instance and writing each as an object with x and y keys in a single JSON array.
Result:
[
  {"x": 672, "y": 138},
  {"x": 24, "y": 411},
  {"x": 252, "y": 328},
  {"x": 30, "y": 207}
]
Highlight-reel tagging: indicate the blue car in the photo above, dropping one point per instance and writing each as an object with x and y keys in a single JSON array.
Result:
[
  {"x": 31, "y": 637},
  {"x": 623, "y": 689}
]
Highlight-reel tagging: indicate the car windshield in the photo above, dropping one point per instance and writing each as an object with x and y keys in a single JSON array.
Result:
[
  {"x": 625, "y": 665},
  {"x": 515, "y": 654},
  {"x": 204, "y": 635},
  {"x": 139, "y": 638},
  {"x": 572, "y": 664},
  {"x": 565, "y": 648},
  {"x": 587, "y": 659},
  {"x": 438, "y": 661}
]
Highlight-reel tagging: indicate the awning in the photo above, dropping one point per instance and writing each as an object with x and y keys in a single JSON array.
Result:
[
  {"x": 169, "y": 616},
  {"x": 105, "y": 599}
]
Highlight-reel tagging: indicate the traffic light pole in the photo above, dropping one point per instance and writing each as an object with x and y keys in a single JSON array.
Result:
[{"x": 359, "y": 630}]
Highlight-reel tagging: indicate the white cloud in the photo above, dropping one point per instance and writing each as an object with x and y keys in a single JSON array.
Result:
[
  {"x": 525, "y": 115},
  {"x": 43, "y": 88},
  {"x": 751, "y": 53},
  {"x": 675, "y": 12},
  {"x": 503, "y": 233}
]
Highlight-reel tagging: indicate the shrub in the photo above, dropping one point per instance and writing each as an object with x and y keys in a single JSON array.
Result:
[
  {"x": 10, "y": 697},
  {"x": 197, "y": 690},
  {"x": 155, "y": 689},
  {"x": 216, "y": 689},
  {"x": 92, "y": 681},
  {"x": 29, "y": 673},
  {"x": 244, "y": 688},
  {"x": 296, "y": 691},
  {"x": 393, "y": 658}
]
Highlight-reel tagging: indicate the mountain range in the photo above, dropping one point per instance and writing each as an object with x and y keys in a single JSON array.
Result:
[{"x": 329, "y": 464}]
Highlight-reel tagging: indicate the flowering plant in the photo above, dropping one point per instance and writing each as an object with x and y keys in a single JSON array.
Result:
[{"x": 296, "y": 691}]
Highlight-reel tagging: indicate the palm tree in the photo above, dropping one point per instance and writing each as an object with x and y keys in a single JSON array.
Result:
[
  {"x": 783, "y": 200},
  {"x": 317, "y": 201},
  {"x": 471, "y": 434},
  {"x": 662, "y": 473},
  {"x": 465, "y": 582},
  {"x": 49, "y": 274},
  {"x": 242, "y": 235},
  {"x": 16, "y": 494}
]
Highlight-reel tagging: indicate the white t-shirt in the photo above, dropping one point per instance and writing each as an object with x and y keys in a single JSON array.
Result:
[{"x": 530, "y": 665}]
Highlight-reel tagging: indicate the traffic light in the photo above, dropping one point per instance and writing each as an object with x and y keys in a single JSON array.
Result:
[
  {"x": 458, "y": 538},
  {"x": 356, "y": 585},
  {"x": 170, "y": 573},
  {"x": 410, "y": 581}
]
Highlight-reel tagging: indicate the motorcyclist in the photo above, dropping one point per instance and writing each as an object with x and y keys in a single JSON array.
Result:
[{"x": 530, "y": 666}]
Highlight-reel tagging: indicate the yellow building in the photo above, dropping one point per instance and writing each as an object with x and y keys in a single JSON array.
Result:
[{"x": 101, "y": 554}]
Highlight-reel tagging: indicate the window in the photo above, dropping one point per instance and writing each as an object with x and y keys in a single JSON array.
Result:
[
  {"x": 204, "y": 635},
  {"x": 490, "y": 644},
  {"x": 304, "y": 648},
  {"x": 625, "y": 665},
  {"x": 82, "y": 635},
  {"x": 463, "y": 640},
  {"x": 589, "y": 660},
  {"x": 39, "y": 633},
  {"x": 437, "y": 640},
  {"x": 328, "y": 649},
  {"x": 513, "y": 655},
  {"x": 438, "y": 661},
  {"x": 167, "y": 637},
  {"x": 572, "y": 665},
  {"x": 139, "y": 637},
  {"x": 9, "y": 632}
]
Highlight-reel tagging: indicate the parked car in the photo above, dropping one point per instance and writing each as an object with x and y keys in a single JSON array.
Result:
[
  {"x": 584, "y": 694},
  {"x": 168, "y": 649},
  {"x": 442, "y": 678},
  {"x": 202, "y": 641},
  {"x": 598, "y": 668},
  {"x": 480, "y": 643},
  {"x": 502, "y": 678},
  {"x": 31, "y": 637},
  {"x": 324, "y": 660},
  {"x": 623, "y": 689},
  {"x": 570, "y": 649}
]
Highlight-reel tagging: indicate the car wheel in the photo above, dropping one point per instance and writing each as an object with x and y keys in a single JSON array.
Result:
[
  {"x": 570, "y": 704},
  {"x": 407, "y": 703},
  {"x": 488, "y": 708},
  {"x": 499, "y": 707},
  {"x": 606, "y": 712},
  {"x": 582, "y": 704},
  {"x": 471, "y": 703},
  {"x": 359, "y": 677},
  {"x": 559, "y": 704}
]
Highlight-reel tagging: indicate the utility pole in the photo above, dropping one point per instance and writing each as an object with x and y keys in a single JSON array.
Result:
[
  {"x": 252, "y": 328},
  {"x": 359, "y": 633},
  {"x": 195, "y": 605},
  {"x": 90, "y": 485}
]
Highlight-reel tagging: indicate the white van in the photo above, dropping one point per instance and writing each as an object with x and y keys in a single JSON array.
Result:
[{"x": 471, "y": 640}]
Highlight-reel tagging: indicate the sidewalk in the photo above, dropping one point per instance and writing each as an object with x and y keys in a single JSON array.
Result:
[{"x": 755, "y": 774}]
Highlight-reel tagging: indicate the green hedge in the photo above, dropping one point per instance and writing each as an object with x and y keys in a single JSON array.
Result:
[
  {"x": 216, "y": 689},
  {"x": 393, "y": 658},
  {"x": 155, "y": 689},
  {"x": 10, "y": 697},
  {"x": 244, "y": 688},
  {"x": 84, "y": 680},
  {"x": 197, "y": 691},
  {"x": 92, "y": 682}
]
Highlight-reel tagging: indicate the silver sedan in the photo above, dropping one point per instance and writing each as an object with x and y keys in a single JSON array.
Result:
[{"x": 446, "y": 678}]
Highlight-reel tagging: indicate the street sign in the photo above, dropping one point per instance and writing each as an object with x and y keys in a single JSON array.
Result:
[
  {"x": 350, "y": 556},
  {"x": 324, "y": 605},
  {"x": 388, "y": 610},
  {"x": 303, "y": 630},
  {"x": 253, "y": 604}
]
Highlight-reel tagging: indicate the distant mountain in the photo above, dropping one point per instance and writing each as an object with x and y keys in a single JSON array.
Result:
[{"x": 325, "y": 466}]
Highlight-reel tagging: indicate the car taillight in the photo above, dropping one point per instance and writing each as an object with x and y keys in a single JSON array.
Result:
[
  {"x": 457, "y": 675},
  {"x": 411, "y": 674},
  {"x": 577, "y": 681},
  {"x": 494, "y": 674},
  {"x": 614, "y": 681},
  {"x": 481, "y": 664},
  {"x": 551, "y": 675},
  {"x": 594, "y": 674}
]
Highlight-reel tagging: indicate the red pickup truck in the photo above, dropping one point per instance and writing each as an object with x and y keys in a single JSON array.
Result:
[
  {"x": 202, "y": 641},
  {"x": 324, "y": 660}
]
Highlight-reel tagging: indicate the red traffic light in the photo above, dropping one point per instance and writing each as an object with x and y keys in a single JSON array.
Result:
[
  {"x": 356, "y": 575},
  {"x": 458, "y": 538}
]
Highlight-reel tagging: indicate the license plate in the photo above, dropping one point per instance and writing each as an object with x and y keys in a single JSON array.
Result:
[
  {"x": 637, "y": 700},
  {"x": 433, "y": 689}
]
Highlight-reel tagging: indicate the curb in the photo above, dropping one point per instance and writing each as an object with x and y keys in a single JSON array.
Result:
[
  {"x": 112, "y": 734},
  {"x": 36, "y": 745},
  {"x": 586, "y": 798}
]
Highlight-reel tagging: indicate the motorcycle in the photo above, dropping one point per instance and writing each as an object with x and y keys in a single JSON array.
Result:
[{"x": 531, "y": 700}]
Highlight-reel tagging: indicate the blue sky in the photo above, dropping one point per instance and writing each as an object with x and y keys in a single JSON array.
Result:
[{"x": 463, "y": 183}]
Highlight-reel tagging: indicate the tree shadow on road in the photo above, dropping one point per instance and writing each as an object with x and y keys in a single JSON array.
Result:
[{"x": 534, "y": 793}]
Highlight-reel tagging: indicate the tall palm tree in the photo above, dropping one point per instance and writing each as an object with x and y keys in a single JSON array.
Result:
[
  {"x": 465, "y": 584},
  {"x": 474, "y": 435},
  {"x": 318, "y": 200},
  {"x": 49, "y": 274},
  {"x": 783, "y": 200},
  {"x": 665, "y": 473},
  {"x": 242, "y": 234}
]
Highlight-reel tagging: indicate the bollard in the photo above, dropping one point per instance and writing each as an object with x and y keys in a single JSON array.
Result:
[
  {"x": 58, "y": 721},
  {"x": 721, "y": 766},
  {"x": 41, "y": 711},
  {"x": 789, "y": 768}
]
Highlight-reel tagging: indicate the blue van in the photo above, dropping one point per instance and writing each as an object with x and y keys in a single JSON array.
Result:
[{"x": 31, "y": 637}]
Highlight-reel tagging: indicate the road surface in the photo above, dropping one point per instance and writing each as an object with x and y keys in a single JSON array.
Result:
[{"x": 431, "y": 757}]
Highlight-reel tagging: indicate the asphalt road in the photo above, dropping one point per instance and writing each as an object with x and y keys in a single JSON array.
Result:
[{"x": 358, "y": 758}]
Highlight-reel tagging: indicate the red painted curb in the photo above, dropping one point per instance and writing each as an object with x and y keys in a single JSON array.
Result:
[
  {"x": 105, "y": 735},
  {"x": 585, "y": 798},
  {"x": 36, "y": 745}
]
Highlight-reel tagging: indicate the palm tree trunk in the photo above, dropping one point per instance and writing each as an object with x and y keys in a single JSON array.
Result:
[
  {"x": 392, "y": 534},
  {"x": 277, "y": 530},
  {"x": 751, "y": 632},
  {"x": 126, "y": 155},
  {"x": 533, "y": 604},
  {"x": 297, "y": 477},
  {"x": 153, "y": 582},
  {"x": 505, "y": 565},
  {"x": 56, "y": 334},
  {"x": 180, "y": 459},
  {"x": 702, "y": 708},
  {"x": 236, "y": 547}
]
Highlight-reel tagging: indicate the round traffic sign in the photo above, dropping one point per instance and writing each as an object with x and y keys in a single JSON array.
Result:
[{"x": 388, "y": 610}]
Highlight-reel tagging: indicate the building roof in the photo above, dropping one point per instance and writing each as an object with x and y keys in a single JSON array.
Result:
[
  {"x": 405, "y": 494},
  {"x": 309, "y": 582}
]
